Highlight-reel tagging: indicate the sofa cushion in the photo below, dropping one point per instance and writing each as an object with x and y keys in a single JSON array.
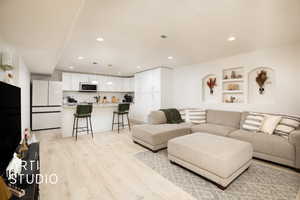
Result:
[
  {"x": 213, "y": 129},
  {"x": 224, "y": 118},
  {"x": 273, "y": 145},
  {"x": 157, "y": 117},
  {"x": 160, "y": 133}
]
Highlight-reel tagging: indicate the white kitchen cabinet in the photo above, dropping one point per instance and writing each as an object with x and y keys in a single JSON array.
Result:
[
  {"x": 39, "y": 93},
  {"x": 125, "y": 85},
  {"x": 77, "y": 79},
  {"x": 131, "y": 84},
  {"x": 118, "y": 84},
  {"x": 101, "y": 82},
  {"x": 93, "y": 79},
  {"x": 42, "y": 121},
  {"x": 71, "y": 82},
  {"x": 55, "y": 93},
  {"x": 152, "y": 92},
  {"x": 67, "y": 81}
]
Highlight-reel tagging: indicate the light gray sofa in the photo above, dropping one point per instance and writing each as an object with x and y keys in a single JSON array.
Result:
[
  {"x": 223, "y": 123},
  {"x": 156, "y": 134}
]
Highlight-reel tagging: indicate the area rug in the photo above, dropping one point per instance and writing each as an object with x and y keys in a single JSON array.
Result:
[{"x": 259, "y": 182}]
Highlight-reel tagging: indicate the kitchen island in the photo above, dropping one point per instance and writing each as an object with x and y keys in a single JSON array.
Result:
[{"x": 101, "y": 118}]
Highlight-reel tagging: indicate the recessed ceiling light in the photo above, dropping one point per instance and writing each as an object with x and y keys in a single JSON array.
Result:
[
  {"x": 95, "y": 63},
  {"x": 170, "y": 57},
  {"x": 100, "y": 39},
  {"x": 139, "y": 67},
  {"x": 163, "y": 36},
  {"x": 80, "y": 57},
  {"x": 71, "y": 67},
  {"x": 230, "y": 39}
]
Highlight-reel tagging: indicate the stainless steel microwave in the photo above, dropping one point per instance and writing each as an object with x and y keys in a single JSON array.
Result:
[{"x": 88, "y": 87}]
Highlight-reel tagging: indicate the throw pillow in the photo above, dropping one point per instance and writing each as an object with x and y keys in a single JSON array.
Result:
[
  {"x": 253, "y": 122},
  {"x": 270, "y": 123},
  {"x": 286, "y": 126},
  {"x": 183, "y": 114},
  {"x": 197, "y": 116},
  {"x": 157, "y": 117}
]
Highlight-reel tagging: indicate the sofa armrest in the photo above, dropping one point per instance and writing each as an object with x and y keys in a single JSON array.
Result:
[{"x": 294, "y": 138}]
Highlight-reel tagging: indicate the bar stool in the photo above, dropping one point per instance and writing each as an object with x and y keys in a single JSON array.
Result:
[
  {"x": 83, "y": 112},
  {"x": 123, "y": 109}
]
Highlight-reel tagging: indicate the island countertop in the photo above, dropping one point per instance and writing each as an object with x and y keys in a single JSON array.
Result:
[{"x": 95, "y": 105}]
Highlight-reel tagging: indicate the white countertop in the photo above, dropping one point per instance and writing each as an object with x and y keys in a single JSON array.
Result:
[{"x": 94, "y": 105}]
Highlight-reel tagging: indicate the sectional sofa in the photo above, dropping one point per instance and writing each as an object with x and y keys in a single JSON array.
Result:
[{"x": 156, "y": 134}]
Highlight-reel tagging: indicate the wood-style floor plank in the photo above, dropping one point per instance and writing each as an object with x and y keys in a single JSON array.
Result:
[{"x": 101, "y": 168}]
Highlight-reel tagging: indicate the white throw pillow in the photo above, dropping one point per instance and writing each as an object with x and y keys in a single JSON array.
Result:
[{"x": 270, "y": 123}]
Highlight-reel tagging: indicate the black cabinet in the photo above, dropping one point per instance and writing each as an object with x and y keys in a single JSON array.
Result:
[{"x": 32, "y": 190}]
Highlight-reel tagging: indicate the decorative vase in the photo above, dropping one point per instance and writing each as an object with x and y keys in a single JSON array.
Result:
[{"x": 8, "y": 77}]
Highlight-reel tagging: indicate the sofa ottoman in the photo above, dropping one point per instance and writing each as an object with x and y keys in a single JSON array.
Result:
[
  {"x": 156, "y": 136},
  {"x": 218, "y": 159}
]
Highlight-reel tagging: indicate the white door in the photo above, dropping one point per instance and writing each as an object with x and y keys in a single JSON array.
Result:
[
  {"x": 39, "y": 93},
  {"x": 55, "y": 93},
  {"x": 67, "y": 81}
]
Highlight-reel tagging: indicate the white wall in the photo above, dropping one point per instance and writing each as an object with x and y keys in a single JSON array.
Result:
[
  {"x": 22, "y": 80},
  {"x": 187, "y": 87}
]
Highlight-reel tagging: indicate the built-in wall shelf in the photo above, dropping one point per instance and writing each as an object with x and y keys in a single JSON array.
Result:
[
  {"x": 233, "y": 80},
  {"x": 207, "y": 95},
  {"x": 233, "y": 91},
  {"x": 233, "y": 85}
]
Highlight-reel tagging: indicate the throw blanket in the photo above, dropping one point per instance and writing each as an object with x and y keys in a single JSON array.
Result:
[{"x": 173, "y": 116}]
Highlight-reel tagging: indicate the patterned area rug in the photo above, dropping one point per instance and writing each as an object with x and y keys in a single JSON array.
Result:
[{"x": 259, "y": 182}]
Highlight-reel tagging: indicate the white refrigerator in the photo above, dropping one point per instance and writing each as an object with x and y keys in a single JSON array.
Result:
[{"x": 46, "y": 105}]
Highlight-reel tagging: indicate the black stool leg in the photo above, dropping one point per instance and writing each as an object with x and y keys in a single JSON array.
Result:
[
  {"x": 113, "y": 121},
  {"x": 87, "y": 125},
  {"x": 118, "y": 123},
  {"x": 91, "y": 126},
  {"x": 76, "y": 128},
  {"x": 73, "y": 126},
  {"x": 128, "y": 122}
]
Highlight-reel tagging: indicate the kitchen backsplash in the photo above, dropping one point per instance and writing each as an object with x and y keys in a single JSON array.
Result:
[{"x": 89, "y": 97}]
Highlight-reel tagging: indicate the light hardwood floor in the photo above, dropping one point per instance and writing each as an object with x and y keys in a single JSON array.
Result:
[{"x": 102, "y": 168}]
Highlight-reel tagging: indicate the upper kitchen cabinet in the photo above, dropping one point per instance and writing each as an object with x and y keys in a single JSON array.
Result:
[
  {"x": 46, "y": 93},
  {"x": 55, "y": 93},
  {"x": 67, "y": 81},
  {"x": 40, "y": 93},
  {"x": 71, "y": 82},
  {"x": 77, "y": 79},
  {"x": 93, "y": 79}
]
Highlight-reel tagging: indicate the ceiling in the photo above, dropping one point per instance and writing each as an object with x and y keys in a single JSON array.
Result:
[{"x": 54, "y": 33}]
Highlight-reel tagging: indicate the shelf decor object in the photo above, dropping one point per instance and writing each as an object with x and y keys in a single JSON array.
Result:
[
  {"x": 211, "y": 83},
  {"x": 210, "y": 91},
  {"x": 261, "y": 79},
  {"x": 233, "y": 85},
  {"x": 261, "y": 86}
]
